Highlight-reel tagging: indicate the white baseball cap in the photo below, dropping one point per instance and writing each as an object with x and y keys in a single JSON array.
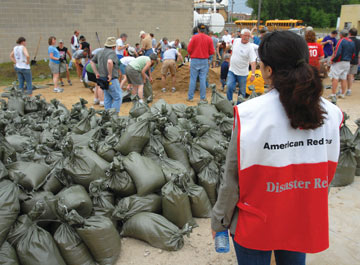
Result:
[{"x": 141, "y": 33}]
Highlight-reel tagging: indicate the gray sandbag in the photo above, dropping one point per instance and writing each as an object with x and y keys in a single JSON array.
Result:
[
  {"x": 84, "y": 125},
  {"x": 221, "y": 102},
  {"x": 100, "y": 236},
  {"x": 156, "y": 230},
  {"x": 345, "y": 170},
  {"x": 8, "y": 255},
  {"x": 16, "y": 103},
  {"x": 100, "y": 196},
  {"x": 148, "y": 91},
  {"x": 30, "y": 104},
  {"x": 176, "y": 205},
  {"x": 47, "y": 138},
  {"x": 155, "y": 149},
  {"x": 165, "y": 110},
  {"x": 356, "y": 142},
  {"x": 225, "y": 124},
  {"x": 209, "y": 179},
  {"x": 199, "y": 158},
  {"x": 199, "y": 201},
  {"x": 19, "y": 142},
  {"x": 211, "y": 143},
  {"x": 7, "y": 152},
  {"x": 9, "y": 207},
  {"x": 56, "y": 179},
  {"x": 105, "y": 150},
  {"x": 85, "y": 166},
  {"x": 345, "y": 132},
  {"x": 3, "y": 171},
  {"x": 76, "y": 198},
  {"x": 33, "y": 244},
  {"x": 118, "y": 180},
  {"x": 27, "y": 174},
  {"x": 138, "y": 108},
  {"x": 179, "y": 109},
  {"x": 72, "y": 248},
  {"x": 129, "y": 206},
  {"x": 204, "y": 120},
  {"x": 134, "y": 138},
  {"x": 80, "y": 139},
  {"x": 207, "y": 110},
  {"x": 146, "y": 174},
  {"x": 171, "y": 168}
]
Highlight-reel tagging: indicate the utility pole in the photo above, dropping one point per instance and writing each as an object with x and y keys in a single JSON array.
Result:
[
  {"x": 232, "y": 10},
  {"x": 258, "y": 17}
]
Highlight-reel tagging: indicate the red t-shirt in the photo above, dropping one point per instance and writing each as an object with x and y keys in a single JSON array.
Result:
[
  {"x": 201, "y": 46},
  {"x": 315, "y": 51}
]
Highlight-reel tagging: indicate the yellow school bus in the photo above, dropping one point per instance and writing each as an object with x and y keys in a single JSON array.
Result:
[
  {"x": 283, "y": 24},
  {"x": 247, "y": 24}
]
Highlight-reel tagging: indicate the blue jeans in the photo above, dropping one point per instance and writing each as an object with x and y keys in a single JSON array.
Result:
[
  {"x": 246, "y": 256},
  {"x": 198, "y": 67},
  {"x": 223, "y": 83},
  {"x": 113, "y": 96},
  {"x": 24, "y": 75},
  {"x": 148, "y": 52},
  {"x": 231, "y": 83}
]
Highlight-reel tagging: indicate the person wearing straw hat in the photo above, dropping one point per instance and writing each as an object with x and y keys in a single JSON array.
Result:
[{"x": 107, "y": 73}]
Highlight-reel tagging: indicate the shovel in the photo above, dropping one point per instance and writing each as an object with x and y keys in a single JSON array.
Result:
[{"x": 33, "y": 62}]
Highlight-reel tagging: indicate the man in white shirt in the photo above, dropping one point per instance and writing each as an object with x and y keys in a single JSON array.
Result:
[
  {"x": 243, "y": 54},
  {"x": 121, "y": 46},
  {"x": 75, "y": 42},
  {"x": 227, "y": 37},
  {"x": 169, "y": 64}
]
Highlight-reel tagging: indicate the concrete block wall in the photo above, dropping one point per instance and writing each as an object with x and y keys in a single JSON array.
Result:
[{"x": 34, "y": 18}]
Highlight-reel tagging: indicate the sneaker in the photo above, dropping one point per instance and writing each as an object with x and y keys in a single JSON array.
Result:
[
  {"x": 333, "y": 99},
  {"x": 69, "y": 82},
  {"x": 61, "y": 83},
  {"x": 141, "y": 101},
  {"x": 331, "y": 96},
  {"x": 173, "y": 89},
  {"x": 58, "y": 90},
  {"x": 190, "y": 100},
  {"x": 101, "y": 104},
  {"x": 81, "y": 80},
  {"x": 96, "y": 101},
  {"x": 163, "y": 89},
  {"x": 348, "y": 93},
  {"x": 341, "y": 96},
  {"x": 203, "y": 101},
  {"x": 339, "y": 93},
  {"x": 328, "y": 87}
]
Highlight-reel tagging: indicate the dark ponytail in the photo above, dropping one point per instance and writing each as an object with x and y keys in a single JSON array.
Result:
[{"x": 298, "y": 83}]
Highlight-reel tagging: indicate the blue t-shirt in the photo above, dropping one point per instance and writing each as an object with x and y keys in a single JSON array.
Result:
[
  {"x": 224, "y": 70},
  {"x": 329, "y": 48},
  {"x": 257, "y": 40},
  {"x": 55, "y": 53}
]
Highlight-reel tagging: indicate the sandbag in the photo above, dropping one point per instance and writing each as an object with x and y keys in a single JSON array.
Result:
[
  {"x": 76, "y": 198},
  {"x": 221, "y": 102},
  {"x": 30, "y": 105},
  {"x": 105, "y": 150},
  {"x": 17, "y": 104},
  {"x": 134, "y": 138},
  {"x": 148, "y": 91},
  {"x": 19, "y": 142},
  {"x": 79, "y": 139},
  {"x": 9, "y": 207},
  {"x": 33, "y": 244},
  {"x": 3, "y": 171},
  {"x": 8, "y": 255},
  {"x": 179, "y": 109},
  {"x": 211, "y": 144},
  {"x": 176, "y": 205},
  {"x": 199, "y": 201},
  {"x": 146, "y": 174},
  {"x": 209, "y": 179},
  {"x": 7, "y": 152},
  {"x": 165, "y": 110},
  {"x": 345, "y": 170},
  {"x": 199, "y": 158},
  {"x": 154, "y": 149},
  {"x": 72, "y": 248},
  {"x": 102, "y": 239},
  {"x": 129, "y": 206},
  {"x": 84, "y": 125},
  {"x": 56, "y": 179},
  {"x": 29, "y": 175},
  {"x": 118, "y": 180},
  {"x": 225, "y": 124},
  {"x": 99, "y": 194},
  {"x": 156, "y": 230},
  {"x": 204, "y": 120},
  {"x": 138, "y": 108},
  {"x": 357, "y": 143},
  {"x": 171, "y": 168},
  {"x": 207, "y": 110}
]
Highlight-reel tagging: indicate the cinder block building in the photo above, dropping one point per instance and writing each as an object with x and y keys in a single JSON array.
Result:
[
  {"x": 350, "y": 17},
  {"x": 33, "y": 19}
]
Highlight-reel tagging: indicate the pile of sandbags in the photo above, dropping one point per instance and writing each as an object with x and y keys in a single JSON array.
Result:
[{"x": 74, "y": 181}]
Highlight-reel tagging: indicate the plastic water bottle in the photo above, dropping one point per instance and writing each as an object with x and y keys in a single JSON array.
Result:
[{"x": 222, "y": 242}]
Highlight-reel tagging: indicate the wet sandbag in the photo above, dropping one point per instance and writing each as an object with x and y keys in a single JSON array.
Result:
[
  {"x": 119, "y": 180},
  {"x": 129, "y": 206},
  {"x": 7, "y": 152},
  {"x": 156, "y": 230},
  {"x": 85, "y": 166},
  {"x": 199, "y": 158},
  {"x": 138, "y": 108},
  {"x": 146, "y": 174},
  {"x": 134, "y": 138},
  {"x": 199, "y": 201},
  {"x": 76, "y": 198},
  {"x": 345, "y": 170},
  {"x": 33, "y": 244},
  {"x": 71, "y": 247},
  {"x": 29, "y": 175},
  {"x": 9, "y": 207},
  {"x": 101, "y": 237},
  {"x": 209, "y": 179},
  {"x": 8, "y": 255},
  {"x": 19, "y": 142},
  {"x": 221, "y": 103},
  {"x": 176, "y": 205}
]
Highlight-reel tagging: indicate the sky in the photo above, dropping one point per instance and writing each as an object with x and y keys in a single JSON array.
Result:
[{"x": 240, "y": 6}]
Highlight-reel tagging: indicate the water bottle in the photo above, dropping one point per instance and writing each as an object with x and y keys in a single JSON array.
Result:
[{"x": 222, "y": 242}]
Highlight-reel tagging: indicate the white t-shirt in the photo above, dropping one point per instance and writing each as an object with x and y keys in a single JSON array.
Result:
[
  {"x": 126, "y": 60},
  {"x": 119, "y": 43},
  {"x": 172, "y": 43},
  {"x": 20, "y": 57},
  {"x": 242, "y": 55},
  {"x": 170, "y": 54},
  {"x": 227, "y": 38}
]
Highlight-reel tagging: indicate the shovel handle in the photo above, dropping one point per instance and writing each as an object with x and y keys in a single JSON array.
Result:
[{"x": 37, "y": 48}]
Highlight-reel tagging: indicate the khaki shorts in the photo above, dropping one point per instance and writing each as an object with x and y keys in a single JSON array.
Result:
[
  {"x": 168, "y": 65},
  {"x": 353, "y": 69},
  {"x": 134, "y": 77},
  {"x": 339, "y": 70},
  {"x": 57, "y": 68}
]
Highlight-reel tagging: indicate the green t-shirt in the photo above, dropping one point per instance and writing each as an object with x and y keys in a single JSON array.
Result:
[
  {"x": 139, "y": 63},
  {"x": 89, "y": 68}
]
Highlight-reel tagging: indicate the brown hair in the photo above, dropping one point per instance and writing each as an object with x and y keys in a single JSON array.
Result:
[
  {"x": 299, "y": 84},
  {"x": 20, "y": 40},
  {"x": 310, "y": 36},
  {"x": 51, "y": 38}
]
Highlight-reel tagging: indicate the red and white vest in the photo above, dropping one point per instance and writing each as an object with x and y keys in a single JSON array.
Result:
[{"x": 284, "y": 174}]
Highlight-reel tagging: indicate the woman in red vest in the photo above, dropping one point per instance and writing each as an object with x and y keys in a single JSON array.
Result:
[{"x": 281, "y": 159}]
